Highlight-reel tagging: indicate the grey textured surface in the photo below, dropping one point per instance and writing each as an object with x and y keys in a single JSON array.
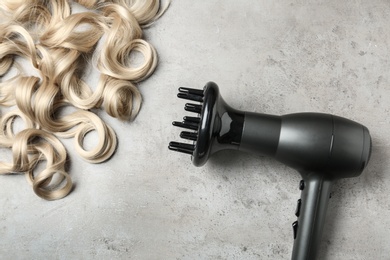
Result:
[{"x": 273, "y": 57}]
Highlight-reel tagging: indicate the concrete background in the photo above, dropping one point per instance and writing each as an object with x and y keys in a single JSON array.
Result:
[{"x": 273, "y": 57}]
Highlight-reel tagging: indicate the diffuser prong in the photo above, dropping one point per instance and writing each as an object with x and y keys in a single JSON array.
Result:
[
  {"x": 186, "y": 124},
  {"x": 189, "y": 135},
  {"x": 192, "y": 97},
  {"x": 181, "y": 147},
  {"x": 192, "y": 119},
  {"x": 193, "y": 108},
  {"x": 197, "y": 92}
]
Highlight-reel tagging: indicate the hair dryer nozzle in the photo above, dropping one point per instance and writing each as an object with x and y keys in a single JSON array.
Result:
[{"x": 216, "y": 126}]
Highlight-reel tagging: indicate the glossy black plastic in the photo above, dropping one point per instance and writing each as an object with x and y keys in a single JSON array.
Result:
[{"x": 220, "y": 128}]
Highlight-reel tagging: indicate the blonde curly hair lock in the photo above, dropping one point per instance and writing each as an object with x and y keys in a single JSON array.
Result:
[{"x": 57, "y": 43}]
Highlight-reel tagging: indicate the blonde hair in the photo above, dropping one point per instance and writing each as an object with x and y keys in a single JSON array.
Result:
[{"x": 58, "y": 44}]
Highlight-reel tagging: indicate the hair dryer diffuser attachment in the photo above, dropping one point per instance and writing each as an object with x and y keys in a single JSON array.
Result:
[
  {"x": 321, "y": 147},
  {"x": 216, "y": 126}
]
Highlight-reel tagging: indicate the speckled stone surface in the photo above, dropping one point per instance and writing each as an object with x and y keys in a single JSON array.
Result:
[{"x": 147, "y": 202}]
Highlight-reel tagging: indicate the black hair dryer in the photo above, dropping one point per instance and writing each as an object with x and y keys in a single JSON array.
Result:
[{"x": 321, "y": 147}]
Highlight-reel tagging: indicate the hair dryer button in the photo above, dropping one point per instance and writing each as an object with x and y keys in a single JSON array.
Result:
[
  {"x": 295, "y": 228},
  {"x": 301, "y": 184},
  {"x": 298, "y": 209}
]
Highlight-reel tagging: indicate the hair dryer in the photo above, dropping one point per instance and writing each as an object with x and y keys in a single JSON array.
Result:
[{"x": 321, "y": 147}]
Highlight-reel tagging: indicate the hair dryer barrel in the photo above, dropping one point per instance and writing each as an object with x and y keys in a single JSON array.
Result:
[
  {"x": 316, "y": 142},
  {"x": 313, "y": 142}
]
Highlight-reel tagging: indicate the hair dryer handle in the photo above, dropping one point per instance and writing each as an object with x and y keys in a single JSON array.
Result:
[{"x": 311, "y": 212}]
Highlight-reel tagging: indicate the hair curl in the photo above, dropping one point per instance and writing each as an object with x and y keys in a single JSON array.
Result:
[{"x": 58, "y": 43}]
